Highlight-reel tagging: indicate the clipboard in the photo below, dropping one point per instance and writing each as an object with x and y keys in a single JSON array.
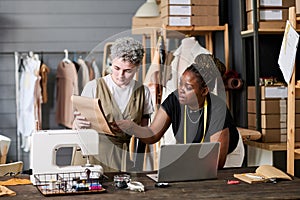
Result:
[{"x": 92, "y": 110}]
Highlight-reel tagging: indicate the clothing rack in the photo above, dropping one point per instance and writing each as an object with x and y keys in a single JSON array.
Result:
[{"x": 17, "y": 57}]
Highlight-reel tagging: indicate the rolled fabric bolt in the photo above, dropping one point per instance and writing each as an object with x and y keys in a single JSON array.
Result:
[{"x": 234, "y": 83}]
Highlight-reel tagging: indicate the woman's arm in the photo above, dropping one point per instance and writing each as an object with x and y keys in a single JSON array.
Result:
[
  {"x": 148, "y": 135},
  {"x": 222, "y": 137}
]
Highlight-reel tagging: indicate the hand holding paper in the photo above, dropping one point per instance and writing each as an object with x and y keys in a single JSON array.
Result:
[{"x": 92, "y": 115}]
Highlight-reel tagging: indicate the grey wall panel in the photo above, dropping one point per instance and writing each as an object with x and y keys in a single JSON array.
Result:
[
  {"x": 7, "y": 92},
  {"x": 68, "y": 6},
  {"x": 63, "y": 20},
  {"x": 7, "y": 106},
  {"x": 7, "y": 78},
  {"x": 85, "y": 41},
  {"x": 8, "y": 120},
  {"x": 66, "y": 35},
  {"x": 6, "y": 62},
  {"x": 42, "y": 25}
]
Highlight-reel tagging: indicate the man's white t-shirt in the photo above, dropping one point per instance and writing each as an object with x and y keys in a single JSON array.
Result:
[{"x": 121, "y": 95}]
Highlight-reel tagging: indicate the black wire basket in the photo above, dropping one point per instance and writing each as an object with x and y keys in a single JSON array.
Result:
[{"x": 69, "y": 183}]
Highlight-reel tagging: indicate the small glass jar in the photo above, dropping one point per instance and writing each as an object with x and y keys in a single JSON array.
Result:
[{"x": 121, "y": 180}]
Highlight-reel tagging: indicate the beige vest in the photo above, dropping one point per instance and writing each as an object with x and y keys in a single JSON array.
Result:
[{"x": 133, "y": 110}]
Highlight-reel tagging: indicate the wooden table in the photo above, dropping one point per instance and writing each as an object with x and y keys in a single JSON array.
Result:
[{"x": 182, "y": 190}]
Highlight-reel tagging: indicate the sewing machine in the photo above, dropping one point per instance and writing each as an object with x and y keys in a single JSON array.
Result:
[{"x": 45, "y": 144}]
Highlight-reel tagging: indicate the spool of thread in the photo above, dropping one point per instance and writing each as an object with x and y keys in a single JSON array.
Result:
[
  {"x": 234, "y": 83},
  {"x": 52, "y": 185}
]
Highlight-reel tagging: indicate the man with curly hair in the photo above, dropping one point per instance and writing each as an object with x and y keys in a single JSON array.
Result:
[{"x": 122, "y": 98}]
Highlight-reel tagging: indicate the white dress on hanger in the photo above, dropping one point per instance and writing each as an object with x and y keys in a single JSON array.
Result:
[{"x": 29, "y": 94}]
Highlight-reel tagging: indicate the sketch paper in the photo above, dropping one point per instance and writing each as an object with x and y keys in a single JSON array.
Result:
[{"x": 288, "y": 51}]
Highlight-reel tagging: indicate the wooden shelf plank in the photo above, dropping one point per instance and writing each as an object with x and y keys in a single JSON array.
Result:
[
  {"x": 282, "y": 146},
  {"x": 297, "y": 151},
  {"x": 195, "y": 28},
  {"x": 266, "y": 31}
]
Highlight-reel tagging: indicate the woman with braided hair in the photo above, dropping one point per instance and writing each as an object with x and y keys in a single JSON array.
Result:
[{"x": 195, "y": 113}]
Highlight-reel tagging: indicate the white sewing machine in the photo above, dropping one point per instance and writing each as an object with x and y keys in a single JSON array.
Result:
[{"x": 45, "y": 143}]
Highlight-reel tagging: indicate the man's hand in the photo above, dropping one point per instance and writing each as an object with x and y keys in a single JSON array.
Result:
[{"x": 80, "y": 122}]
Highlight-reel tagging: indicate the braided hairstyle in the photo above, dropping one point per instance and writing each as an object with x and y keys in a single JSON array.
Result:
[{"x": 205, "y": 70}]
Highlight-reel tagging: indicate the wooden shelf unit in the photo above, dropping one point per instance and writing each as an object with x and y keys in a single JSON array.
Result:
[
  {"x": 265, "y": 31},
  {"x": 293, "y": 152},
  {"x": 207, "y": 32}
]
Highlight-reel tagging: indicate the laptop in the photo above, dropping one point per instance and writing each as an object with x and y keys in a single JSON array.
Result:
[{"x": 187, "y": 162}]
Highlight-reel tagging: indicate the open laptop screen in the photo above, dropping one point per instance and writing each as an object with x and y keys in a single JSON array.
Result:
[{"x": 187, "y": 162}]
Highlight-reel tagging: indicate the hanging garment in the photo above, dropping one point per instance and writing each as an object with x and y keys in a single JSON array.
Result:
[
  {"x": 66, "y": 86},
  {"x": 83, "y": 74},
  {"x": 96, "y": 69},
  {"x": 154, "y": 75},
  {"x": 44, "y": 71},
  {"x": 30, "y": 100},
  {"x": 91, "y": 70}
]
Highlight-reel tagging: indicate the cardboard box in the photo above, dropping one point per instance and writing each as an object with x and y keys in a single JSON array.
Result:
[
  {"x": 190, "y": 2},
  {"x": 269, "y": 15},
  {"x": 272, "y": 121},
  {"x": 189, "y": 10},
  {"x": 147, "y": 21},
  {"x": 273, "y": 135},
  {"x": 297, "y": 7},
  {"x": 268, "y": 121},
  {"x": 191, "y": 20},
  {"x": 276, "y": 135},
  {"x": 297, "y": 135},
  {"x": 272, "y": 106},
  {"x": 276, "y": 106},
  {"x": 269, "y": 25},
  {"x": 145, "y": 25},
  {"x": 269, "y": 92},
  {"x": 271, "y": 4}
]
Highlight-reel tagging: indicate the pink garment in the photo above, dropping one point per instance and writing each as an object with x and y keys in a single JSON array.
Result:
[{"x": 67, "y": 85}]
